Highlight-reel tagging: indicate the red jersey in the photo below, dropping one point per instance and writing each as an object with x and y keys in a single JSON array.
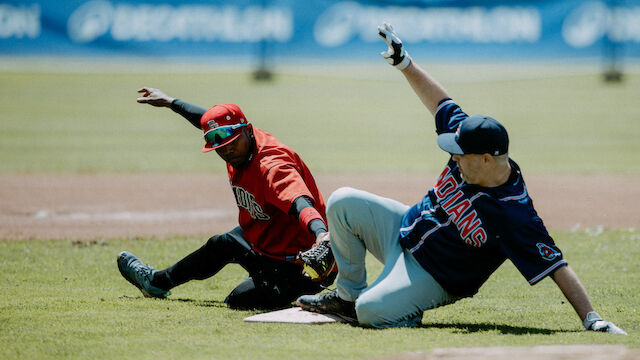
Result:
[{"x": 265, "y": 189}]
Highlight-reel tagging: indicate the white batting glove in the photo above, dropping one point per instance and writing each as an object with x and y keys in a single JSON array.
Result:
[
  {"x": 594, "y": 322},
  {"x": 395, "y": 54}
]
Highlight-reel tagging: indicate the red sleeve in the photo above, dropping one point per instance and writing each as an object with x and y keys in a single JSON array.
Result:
[{"x": 285, "y": 184}]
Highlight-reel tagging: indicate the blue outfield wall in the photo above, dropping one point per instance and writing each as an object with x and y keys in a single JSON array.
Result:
[{"x": 229, "y": 30}]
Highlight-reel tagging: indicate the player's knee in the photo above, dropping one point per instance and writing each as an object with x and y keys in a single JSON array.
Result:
[
  {"x": 215, "y": 243},
  {"x": 339, "y": 197},
  {"x": 224, "y": 242},
  {"x": 248, "y": 296},
  {"x": 375, "y": 312},
  {"x": 340, "y": 200},
  {"x": 370, "y": 311}
]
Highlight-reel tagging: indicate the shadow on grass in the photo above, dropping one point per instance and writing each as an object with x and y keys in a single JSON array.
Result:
[
  {"x": 196, "y": 302},
  {"x": 503, "y": 329},
  {"x": 200, "y": 302}
]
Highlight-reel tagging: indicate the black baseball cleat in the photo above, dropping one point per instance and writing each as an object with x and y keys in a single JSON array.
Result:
[
  {"x": 139, "y": 275},
  {"x": 329, "y": 303}
]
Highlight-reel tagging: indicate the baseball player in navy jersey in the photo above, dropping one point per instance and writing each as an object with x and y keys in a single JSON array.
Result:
[{"x": 443, "y": 248}]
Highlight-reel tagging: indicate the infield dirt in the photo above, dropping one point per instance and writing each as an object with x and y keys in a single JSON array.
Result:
[
  {"x": 95, "y": 206},
  {"x": 558, "y": 352}
]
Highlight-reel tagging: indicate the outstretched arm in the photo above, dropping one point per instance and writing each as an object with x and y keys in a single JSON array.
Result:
[
  {"x": 572, "y": 288},
  {"x": 425, "y": 86},
  {"x": 157, "y": 98}
]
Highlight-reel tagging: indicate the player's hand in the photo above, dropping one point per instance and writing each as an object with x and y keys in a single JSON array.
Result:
[
  {"x": 321, "y": 237},
  {"x": 318, "y": 262},
  {"x": 594, "y": 322},
  {"x": 154, "y": 97},
  {"x": 395, "y": 54}
]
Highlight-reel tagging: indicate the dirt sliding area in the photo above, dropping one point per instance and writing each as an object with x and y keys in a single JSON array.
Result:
[
  {"x": 103, "y": 206},
  {"x": 570, "y": 352}
]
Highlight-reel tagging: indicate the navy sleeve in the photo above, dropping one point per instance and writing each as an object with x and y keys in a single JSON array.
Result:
[
  {"x": 448, "y": 116},
  {"x": 532, "y": 250}
]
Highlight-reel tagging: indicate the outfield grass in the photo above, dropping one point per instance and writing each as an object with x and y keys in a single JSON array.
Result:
[
  {"x": 338, "y": 122},
  {"x": 64, "y": 299}
]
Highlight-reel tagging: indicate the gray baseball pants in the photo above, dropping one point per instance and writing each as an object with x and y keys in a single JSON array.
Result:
[{"x": 361, "y": 221}]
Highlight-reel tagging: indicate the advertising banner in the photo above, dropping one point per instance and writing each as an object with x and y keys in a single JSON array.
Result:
[{"x": 233, "y": 29}]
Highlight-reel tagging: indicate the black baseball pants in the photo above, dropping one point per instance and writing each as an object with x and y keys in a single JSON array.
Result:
[{"x": 271, "y": 284}]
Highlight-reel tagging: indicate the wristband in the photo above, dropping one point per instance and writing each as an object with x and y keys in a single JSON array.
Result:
[
  {"x": 405, "y": 62},
  {"x": 307, "y": 214}
]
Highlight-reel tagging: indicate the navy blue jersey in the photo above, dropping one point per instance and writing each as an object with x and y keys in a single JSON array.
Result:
[{"x": 461, "y": 233}]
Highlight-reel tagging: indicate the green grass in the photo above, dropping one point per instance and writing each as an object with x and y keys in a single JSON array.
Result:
[
  {"x": 64, "y": 299},
  {"x": 370, "y": 122}
]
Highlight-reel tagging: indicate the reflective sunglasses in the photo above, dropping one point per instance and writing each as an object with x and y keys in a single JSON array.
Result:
[{"x": 217, "y": 136}]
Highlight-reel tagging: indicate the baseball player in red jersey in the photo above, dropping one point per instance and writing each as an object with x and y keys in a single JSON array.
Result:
[{"x": 281, "y": 215}]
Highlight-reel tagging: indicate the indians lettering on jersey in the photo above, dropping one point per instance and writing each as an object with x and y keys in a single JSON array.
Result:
[
  {"x": 459, "y": 209},
  {"x": 246, "y": 200}
]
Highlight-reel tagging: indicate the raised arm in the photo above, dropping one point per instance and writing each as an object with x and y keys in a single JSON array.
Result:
[
  {"x": 572, "y": 288},
  {"x": 424, "y": 85},
  {"x": 157, "y": 98}
]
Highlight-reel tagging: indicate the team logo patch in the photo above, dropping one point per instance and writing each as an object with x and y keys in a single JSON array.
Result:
[
  {"x": 212, "y": 124},
  {"x": 547, "y": 252}
]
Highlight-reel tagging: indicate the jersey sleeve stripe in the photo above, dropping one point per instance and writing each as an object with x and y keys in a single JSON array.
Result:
[
  {"x": 516, "y": 197},
  {"x": 474, "y": 197},
  {"x": 443, "y": 104},
  {"x": 546, "y": 272}
]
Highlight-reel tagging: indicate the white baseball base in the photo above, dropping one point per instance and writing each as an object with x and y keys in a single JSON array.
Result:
[{"x": 294, "y": 315}]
